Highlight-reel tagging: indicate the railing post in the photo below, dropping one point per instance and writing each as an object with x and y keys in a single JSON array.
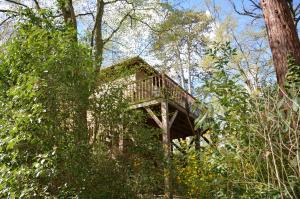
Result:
[{"x": 164, "y": 86}]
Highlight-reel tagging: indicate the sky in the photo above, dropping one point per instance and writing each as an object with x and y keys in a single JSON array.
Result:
[{"x": 224, "y": 6}]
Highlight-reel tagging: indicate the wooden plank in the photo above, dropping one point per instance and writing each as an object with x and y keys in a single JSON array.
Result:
[{"x": 154, "y": 117}]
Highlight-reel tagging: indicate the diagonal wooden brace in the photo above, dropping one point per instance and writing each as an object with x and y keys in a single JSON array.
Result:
[
  {"x": 154, "y": 117},
  {"x": 173, "y": 118}
]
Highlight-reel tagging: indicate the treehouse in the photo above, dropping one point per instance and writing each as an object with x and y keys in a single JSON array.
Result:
[{"x": 168, "y": 106}]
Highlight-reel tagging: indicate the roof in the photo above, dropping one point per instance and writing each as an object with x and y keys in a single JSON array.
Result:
[{"x": 125, "y": 68}]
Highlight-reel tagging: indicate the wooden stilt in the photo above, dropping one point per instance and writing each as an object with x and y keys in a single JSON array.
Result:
[
  {"x": 166, "y": 139},
  {"x": 197, "y": 141},
  {"x": 121, "y": 142}
]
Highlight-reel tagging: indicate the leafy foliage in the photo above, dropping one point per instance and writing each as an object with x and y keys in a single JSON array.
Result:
[
  {"x": 254, "y": 151},
  {"x": 47, "y": 150},
  {"x": 43, "y": 90},
  {"x": 140, "y": 160}
]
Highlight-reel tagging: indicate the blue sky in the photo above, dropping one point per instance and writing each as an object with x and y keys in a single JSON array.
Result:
[{"x": 226, "y": 9}]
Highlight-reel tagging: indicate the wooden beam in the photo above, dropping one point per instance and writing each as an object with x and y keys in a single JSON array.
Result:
[
  {"x": 173, "y": 118},
  {"x": 182, "y": 109},
  {"x": 189, "y": 121},
  {"x": 154, "y": 117},
  {"x": 145, "y": 104}
]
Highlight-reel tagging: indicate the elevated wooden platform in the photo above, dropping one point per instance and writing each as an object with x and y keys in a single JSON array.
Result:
[
  {"x": 150, "y": 92},
  {"x": 170, "y": 108}
]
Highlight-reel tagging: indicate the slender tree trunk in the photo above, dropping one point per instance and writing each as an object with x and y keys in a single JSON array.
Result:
[
  {"x": 189, "y": 69},
  {"x": 283, "y": 37},
  {"x": 182, "y": 79}
]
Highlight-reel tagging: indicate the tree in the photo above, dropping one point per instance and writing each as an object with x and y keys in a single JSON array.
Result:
[
  {"x": 41, "y": 127},
  {"x": 104, "y": 18},
  {"x": 45, "y": 150},
  {"x": 102, "y": 29},
  {"x": 283, "y": 37},
  {"x": 255, "y": 148},
  {"x": 181, "y": 41}
]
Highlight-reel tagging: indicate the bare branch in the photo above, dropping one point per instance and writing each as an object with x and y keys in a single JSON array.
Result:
[
  {"x": 246, "y": 12},
  {"x": 118, "y": 27},
  {"x": 37, "y": 5},
  {"x": 5, "y": 20},
  {"x": 85, "y": 14},
  {"x": 8, "y": 11},
  {"x": 115, "y": 1},
  {"x": 255, "y": 12},
  {"x": 143, "y": 22},
  {"x": 17, "y": 3},
  {"x": 255, "y": 4}
]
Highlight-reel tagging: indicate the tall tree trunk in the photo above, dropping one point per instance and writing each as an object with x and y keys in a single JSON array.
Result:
[
  {"x": 81, "y": 128},
  {"x": 283, "y": 37},
  {"x": 69, "y": 16},
  {"x": 99, "y": 42}
]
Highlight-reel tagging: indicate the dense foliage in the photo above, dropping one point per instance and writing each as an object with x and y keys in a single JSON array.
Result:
[
  {"x": 255, "y": 150},
  {"x": 47, "y": 150},
  {"x": 43, "y": 90}
]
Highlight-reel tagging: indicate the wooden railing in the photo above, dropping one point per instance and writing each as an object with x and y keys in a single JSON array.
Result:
[{"x": 159, "y": 86}]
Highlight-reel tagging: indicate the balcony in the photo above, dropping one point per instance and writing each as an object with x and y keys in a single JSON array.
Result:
[{"x": 160, "y": 87}]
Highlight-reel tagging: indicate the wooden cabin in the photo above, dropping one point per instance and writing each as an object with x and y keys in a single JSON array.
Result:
[{"x": 168, "y": 105}]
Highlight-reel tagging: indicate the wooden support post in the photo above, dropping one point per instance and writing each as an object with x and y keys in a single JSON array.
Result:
[
  {"x": 121, "y": 136},
  {"x": 166, "y": 139},
  {"x": 197, "y": 141},
  {"x": 121, "y": 142}
]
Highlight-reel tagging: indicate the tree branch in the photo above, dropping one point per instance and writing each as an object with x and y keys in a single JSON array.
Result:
[
  {"x": 17, "y": 3},
  {"x": 85, "y": 14},
  {"x": 246, "y": 12},
  {"x": 37, "y": 5},
  {"x": 117, "y": 29},
  {"x": 8, "y": 11},
  {"x": 115, "y": 1},
  {"x": 146, "y": 24},
  {"x": 5, "y": 20}
]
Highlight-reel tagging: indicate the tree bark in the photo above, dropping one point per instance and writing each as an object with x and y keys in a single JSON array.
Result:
[
  {"x": 282, "y": 35},
  {"x": 99, "y": 41},
  {"x": 69, "y": 16}
]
